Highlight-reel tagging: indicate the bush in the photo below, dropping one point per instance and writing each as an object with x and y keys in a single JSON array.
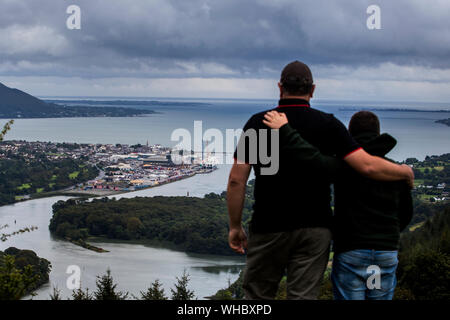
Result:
[{"x": 426, "y": 277}]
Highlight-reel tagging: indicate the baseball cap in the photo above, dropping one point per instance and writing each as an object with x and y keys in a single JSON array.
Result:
[{"x": 296, "y": 73}]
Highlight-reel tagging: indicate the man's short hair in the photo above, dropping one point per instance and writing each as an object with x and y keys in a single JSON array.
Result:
[
  {"x": 296, "y": 79},
  {"x": 364, "y": 121}
]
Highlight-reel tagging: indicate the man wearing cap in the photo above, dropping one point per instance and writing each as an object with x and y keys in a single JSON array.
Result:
[{"x": 289, "y": 230}]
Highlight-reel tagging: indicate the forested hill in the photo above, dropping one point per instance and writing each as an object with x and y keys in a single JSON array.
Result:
[
  {"x": 15, "y": 103},
  {"x": 21, "y": 267},
  {"x": 197, "y": 225},
  {"x": 23, "y": 175}
]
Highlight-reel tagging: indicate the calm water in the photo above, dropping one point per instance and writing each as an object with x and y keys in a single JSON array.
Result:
[
  {"x": 416, "y": 132},
  {"x": 135, "y": 266}
]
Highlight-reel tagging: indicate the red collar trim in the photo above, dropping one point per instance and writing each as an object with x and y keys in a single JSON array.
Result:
[{"x": 294, "y": 105}]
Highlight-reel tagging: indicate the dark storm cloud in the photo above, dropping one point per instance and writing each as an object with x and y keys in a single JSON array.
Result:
[{"x": 164, "y": 38}]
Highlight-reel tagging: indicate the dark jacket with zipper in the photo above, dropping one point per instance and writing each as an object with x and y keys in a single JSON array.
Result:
[{"x": 368, "y": 214}]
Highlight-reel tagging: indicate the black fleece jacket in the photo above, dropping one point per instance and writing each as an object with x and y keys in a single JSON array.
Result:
[{"x": 368, "y": 214}]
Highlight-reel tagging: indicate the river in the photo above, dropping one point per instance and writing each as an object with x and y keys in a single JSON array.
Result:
[{"x": 133, "y": 266}]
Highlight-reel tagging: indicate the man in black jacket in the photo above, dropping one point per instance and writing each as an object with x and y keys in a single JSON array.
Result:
[{"x": 369, "y": 214}]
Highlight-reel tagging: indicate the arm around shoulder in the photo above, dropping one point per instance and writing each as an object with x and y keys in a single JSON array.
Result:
[
  {"x": 302, "y": 152},
  {"x": 378, "y": 168}
]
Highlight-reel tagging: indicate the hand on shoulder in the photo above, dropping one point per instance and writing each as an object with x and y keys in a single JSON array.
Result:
[{"x": 275, "y": 120}]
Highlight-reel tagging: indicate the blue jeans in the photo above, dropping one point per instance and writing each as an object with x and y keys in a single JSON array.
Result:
[{"x": 364, "y": 275}]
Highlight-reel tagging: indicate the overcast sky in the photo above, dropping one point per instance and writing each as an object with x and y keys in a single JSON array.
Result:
[{"x": 226, "y": 48}]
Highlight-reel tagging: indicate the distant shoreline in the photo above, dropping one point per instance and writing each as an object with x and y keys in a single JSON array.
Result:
[
  {"x": 141, "y": 115},
  {"x": 17, "y": 104},
  {"x": 393, "y": 110},
  {"x": 444, "y": 121},
  {"x": 125, "y": 103}
]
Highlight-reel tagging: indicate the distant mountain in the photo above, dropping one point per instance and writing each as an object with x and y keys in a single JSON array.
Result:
[{"x": 15, "y": 103}]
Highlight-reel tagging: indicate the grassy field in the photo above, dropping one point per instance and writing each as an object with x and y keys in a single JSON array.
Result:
[
  {"x": 439, "y": 168},
  {"x": 74, "y": 174},
  {"x": 24, "y": 186},
  {"x": 426, "y": 197}
]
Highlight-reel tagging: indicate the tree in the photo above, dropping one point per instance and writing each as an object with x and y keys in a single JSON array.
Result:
[
  {"x": 15, "y": 283},
  {"x": 411, "y": 160},
  {"x": 134, "y": 225},
  {"x": 106, "y": 288},
  {"x": 424, "y": 260},
  {"x": 5, "y": 129},
  {"x": 181, "y": 291},
  {"x": 155, "y": 292},
  {"x": 80, "y": 295},
  {"x": 56, "y": 295},
  {"x": 223, "y": 294},
  {"x": 427, "y": 277}
]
